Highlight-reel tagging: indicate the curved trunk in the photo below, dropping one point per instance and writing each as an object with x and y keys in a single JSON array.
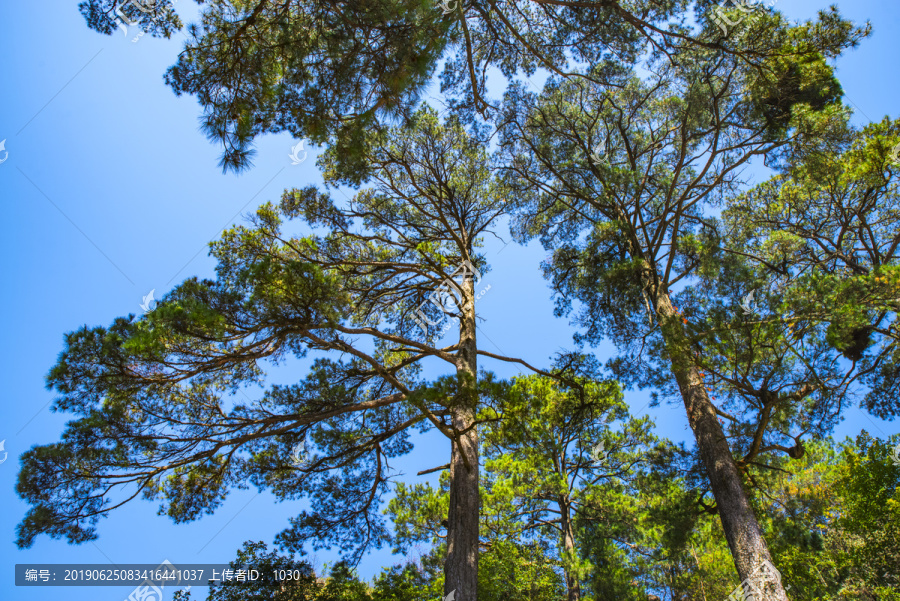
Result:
[
  {"x": 461, "y": 567},
  {"x": 742, "y": 530}
]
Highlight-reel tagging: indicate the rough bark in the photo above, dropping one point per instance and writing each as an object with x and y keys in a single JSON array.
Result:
[
  {"x": 742, "y": 531},
  {"x": 573, "y": 587},
  {"x": 461, "y": 567}
]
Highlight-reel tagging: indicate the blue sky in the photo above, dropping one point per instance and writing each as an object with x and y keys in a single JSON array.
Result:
[{"x": 110, "y": 190}]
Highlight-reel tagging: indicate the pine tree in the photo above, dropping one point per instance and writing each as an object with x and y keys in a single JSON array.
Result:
[
  {"x": 620, "y": 183},
  {"x": 332, "y": 70},
  {"x": 152, "y": 393},
  {"x": 554, "y": 456}
]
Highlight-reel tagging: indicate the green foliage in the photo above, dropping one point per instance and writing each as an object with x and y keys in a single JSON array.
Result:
[
  {"x": 343, "y": 584},
  {"x": 621, "y": 184},
  {"x": 834, "y": 521},
  {"x": 541, "y": 484},
  {"x": 258, "y": 67},
  {"x": 797, "y": 82},
  {"x": 621, "y": 176},
  {"x": 823, "y": 233},
  {"x": 518, "y": 571},
  {"x": 401, "y": 583},
  {"x": 160, "y": 399}
]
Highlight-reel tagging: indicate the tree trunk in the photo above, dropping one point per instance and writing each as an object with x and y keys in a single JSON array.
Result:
[
  {"x": 568, "y": 542},
  {"x": 461, "y": 568},
  {"x": 745, "y": 539}
]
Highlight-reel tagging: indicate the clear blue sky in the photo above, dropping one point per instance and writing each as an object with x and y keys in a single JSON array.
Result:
[{"x": 110, "y": 190}]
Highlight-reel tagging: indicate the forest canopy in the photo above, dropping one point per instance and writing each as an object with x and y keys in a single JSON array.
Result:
[{"x": 713, "y": 215}]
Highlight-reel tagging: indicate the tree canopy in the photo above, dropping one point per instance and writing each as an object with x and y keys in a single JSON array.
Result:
[{"x": 766, "y": 306}]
